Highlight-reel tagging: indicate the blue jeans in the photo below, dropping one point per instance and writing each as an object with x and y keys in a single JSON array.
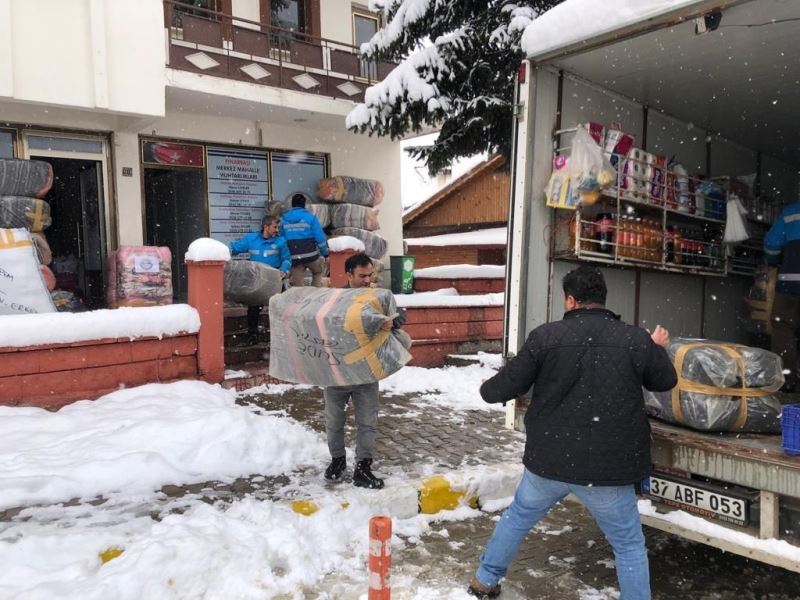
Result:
[{"x": 613, "y": 508}]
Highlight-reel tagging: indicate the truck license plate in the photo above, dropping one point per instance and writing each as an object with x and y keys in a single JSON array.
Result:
[{"x": 698, "y": 500}]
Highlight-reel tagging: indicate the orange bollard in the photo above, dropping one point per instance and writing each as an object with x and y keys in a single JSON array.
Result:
[{"x": 380, "y": 558}]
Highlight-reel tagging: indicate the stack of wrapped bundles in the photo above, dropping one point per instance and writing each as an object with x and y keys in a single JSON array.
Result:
[
  {"x": 353, "y": 190},
  {"x": 22, "y": 185},
  {"x": 22, "y": 286},
  {"x": 139, "y": 276},
  {"x": 251, "y": 283},
  {"x": 328, "y": 336},
  {"x": 374, "y": 245},
  {"x": 322, "y": 212},
  {"x": 721, "y": 387},
  {"x": 354, "y": 215}
]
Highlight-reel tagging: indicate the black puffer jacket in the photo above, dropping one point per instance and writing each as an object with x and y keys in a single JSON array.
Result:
[{"x": 586, "y": 423}]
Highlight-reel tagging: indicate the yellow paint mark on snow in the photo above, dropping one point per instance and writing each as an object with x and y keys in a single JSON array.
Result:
[
  {"x": 436, "y": 494},
  {"x": 110, "y": 553},
  {"x": 305, "y": 507}
]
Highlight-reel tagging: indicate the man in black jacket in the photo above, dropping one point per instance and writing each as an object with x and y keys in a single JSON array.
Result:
[{"x": 587, "y": 430}]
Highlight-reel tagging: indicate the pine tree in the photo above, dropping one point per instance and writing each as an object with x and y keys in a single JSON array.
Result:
[{"x": 456, "y": 65}]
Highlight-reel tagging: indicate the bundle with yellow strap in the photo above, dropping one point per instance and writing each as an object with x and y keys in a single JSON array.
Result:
[
  {"x": 22, "y": 287},
  {"x": 333, "y": 337},
  {"x": 365, "y": 192},
  {"x": 20, "y": 211},
  {"x": 721, "y": 387}
]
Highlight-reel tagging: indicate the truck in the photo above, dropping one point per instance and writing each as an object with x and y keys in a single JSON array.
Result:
[{"x": 716, "y": 85}]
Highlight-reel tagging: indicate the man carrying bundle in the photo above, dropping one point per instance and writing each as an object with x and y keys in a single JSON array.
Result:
[{"x": 306, "y": 240}]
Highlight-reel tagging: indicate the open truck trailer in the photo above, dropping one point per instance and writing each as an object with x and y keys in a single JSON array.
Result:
[{"x": 716, "y": 85}]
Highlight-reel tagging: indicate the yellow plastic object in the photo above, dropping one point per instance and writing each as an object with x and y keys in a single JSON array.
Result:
[
  {"x": 589, "y": 198},
  {"x": 436, "y": 495},
  {"x": 110, "y": 553},
  {"x": 305, "y": 507}
]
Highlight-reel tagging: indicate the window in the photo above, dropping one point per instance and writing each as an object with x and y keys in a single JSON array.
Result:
[
  {"x": 6, "y": 144},
  {"x": 296, "y": 172},
  {"x": 197, "y": 8},
  {"x": 288, "y": 14},
  {"x": 365, "y": 25}
]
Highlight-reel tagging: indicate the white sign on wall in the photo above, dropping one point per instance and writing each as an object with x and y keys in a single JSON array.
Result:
[{"x": 238, "y": 188}]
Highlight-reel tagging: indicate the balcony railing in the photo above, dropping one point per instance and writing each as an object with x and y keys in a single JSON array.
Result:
[{"x": 218, "y": 44}]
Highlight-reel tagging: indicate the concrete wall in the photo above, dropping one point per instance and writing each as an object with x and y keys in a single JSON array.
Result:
[
  {"x": 95, "y": 54},
  {"x": 336, "y": 20}
]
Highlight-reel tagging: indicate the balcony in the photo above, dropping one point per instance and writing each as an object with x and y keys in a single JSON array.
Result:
[{"x": 218, "y": 44}]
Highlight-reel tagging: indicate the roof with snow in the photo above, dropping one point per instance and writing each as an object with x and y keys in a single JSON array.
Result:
[{"x": 483, "y": 237}]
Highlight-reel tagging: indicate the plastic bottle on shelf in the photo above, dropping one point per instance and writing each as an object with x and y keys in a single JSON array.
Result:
[
  {"x": 604, "y": 233},
  {"x": 669, "y": 244},
  {"x": 623, "y": 234},
  {"x": 677, "y": 244}
]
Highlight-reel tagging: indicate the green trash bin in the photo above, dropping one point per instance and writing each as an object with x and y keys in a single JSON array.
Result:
[{"x": 402, "y": 274}]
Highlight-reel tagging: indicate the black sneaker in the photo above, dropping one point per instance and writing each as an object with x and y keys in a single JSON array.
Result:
[
  {"x": 363, "y": 477},
  {"x": 477, "y": 589},
  {"x": 252, "y": 339},
  {"x": 336, "y": 469}
]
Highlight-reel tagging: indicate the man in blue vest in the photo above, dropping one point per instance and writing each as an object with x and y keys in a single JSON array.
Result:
[
  {"x": 266, "y": 247},
  {"x": 306, "y": 240},
  {"x": 782, "y": 246}
]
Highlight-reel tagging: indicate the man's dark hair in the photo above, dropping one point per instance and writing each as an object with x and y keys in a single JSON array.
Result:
[
  {"x": 357, "y": 260},
  {"x": 298, "y": 200},
  {"x": 586, "y": 284},
  {"x": 268, "y": 220}
]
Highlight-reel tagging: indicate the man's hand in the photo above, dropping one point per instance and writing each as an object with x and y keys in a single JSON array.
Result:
[
  {"x": 284, "y": 274},
  {"x": 660, "y": 336},
  {"x": 387, "y": 325}
]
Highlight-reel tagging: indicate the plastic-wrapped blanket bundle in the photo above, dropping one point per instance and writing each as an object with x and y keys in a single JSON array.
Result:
[
  {"x": 721, "y": 387},
  {"x": 25, "y": 177},
  {"x": 374, "y": 245},
  {"x": 354, "y": 215},
  {"x": 22, "y": 286},
  {"x": 139, "y": 276},
  {"x": 20, "y": 211},
  {"x": 249, "y": 282},
  {"x": 322, "y": 212},
  {"x": 333, "y": 337},
  {"x": 365, "y": 192}
]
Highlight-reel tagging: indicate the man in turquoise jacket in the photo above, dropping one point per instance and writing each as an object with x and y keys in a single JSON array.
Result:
[
  {"x": 266, "y": 247},
  {"x": 306, "y": 240}
]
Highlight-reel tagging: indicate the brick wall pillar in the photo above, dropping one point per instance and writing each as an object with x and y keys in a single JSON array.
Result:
[
  {"x": 336, "y": 266},
  {"x": 205, "y": 295}
]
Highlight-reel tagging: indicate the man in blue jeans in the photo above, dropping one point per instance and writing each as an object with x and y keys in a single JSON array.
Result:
[{"x": 587, "y": 432}]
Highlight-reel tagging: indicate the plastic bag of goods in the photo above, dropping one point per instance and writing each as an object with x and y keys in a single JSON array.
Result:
[
  {"x": 333, "y": 336},
  {"x": 25, "y": 177},
  {"x": 249, "y": 282},
  {"x": 590, "y": 170},
  {"x": 559, "y": 192},
  {"x": 721, "y": 387},
  {"x": 20, "y": 211},
  {"x": 322, "y": 212},
  {"x": 22, "y": 285},
  {"x": 365, "y": 192},
  {"x": 139, "y": 276},
  {"x": 354, "y": 215},
  {"x": 374, "y": 245}
]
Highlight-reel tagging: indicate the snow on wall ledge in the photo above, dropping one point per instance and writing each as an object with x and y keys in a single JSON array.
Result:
[
  {"x": 207, "y": 249},
  {"x": 496, "y": 236},
  {"x": 577, "y": 20},
  {"x": 64, "y": 328},
  {"x": 447, "y": 298},
  {"x": 343, "y": 243},
  {"x": 462, "y": 272}
]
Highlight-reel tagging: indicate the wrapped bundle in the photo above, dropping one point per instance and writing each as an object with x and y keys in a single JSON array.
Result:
[
  {"x": 249, "y": 282},
  {"x": 25, "y": 177},
  {"x": 20, "y": 211},
  {"x": 333, "y": 336},
  {"x": 322, "y": 212},
  {"x": 42, "y": 248},
  {"x": 365, "y": 192},
  {"x": 374, "y": 245},
  {"x": 139, "y": 276},
  {"x": 276, "y": 209},
  {"x": 354, "y": 215},
  {"x": 67, "y": 301},
  {"x": 22, "y": 286},
  {"x": 721, "y": 387}
]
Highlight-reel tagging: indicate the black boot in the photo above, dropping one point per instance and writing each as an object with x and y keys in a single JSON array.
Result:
[
  {"x": 363, "y": 477},
  {"x": 477, "y": 589},
  {"x": 336, "y": 469}
]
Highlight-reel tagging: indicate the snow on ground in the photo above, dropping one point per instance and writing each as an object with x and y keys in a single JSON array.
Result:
[
  {"x": 578, "y": 20},
  {"x": 62, "y": 328},
  {"x": 454, "y": 387},
  {"x": 139, "y": 439}
]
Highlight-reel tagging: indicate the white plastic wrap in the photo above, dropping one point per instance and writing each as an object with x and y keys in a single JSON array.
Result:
[
  {"x": 22, "y": 286},
  {"x": 250, "y": 282},
  {"x": 333, "y": 337},
  {"x": 721, "y": 387}
]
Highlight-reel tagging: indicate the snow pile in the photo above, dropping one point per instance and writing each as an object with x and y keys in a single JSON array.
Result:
[
  {"x": 448, "y": 297},
  {"x": 140, "y": 439},
  {"x": 454, "y": 387},
  {"x": 343, "y": 243},
  {"x": 578, "y": 20},
  {"x": 495, "y": 236},
  {"x": 129, "y": 323},
  {"x": 462, "y": 272},
  {"x": 207, "y": 249}
]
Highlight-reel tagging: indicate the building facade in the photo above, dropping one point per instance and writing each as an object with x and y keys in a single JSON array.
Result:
[{"x": 169, "y": 120}]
